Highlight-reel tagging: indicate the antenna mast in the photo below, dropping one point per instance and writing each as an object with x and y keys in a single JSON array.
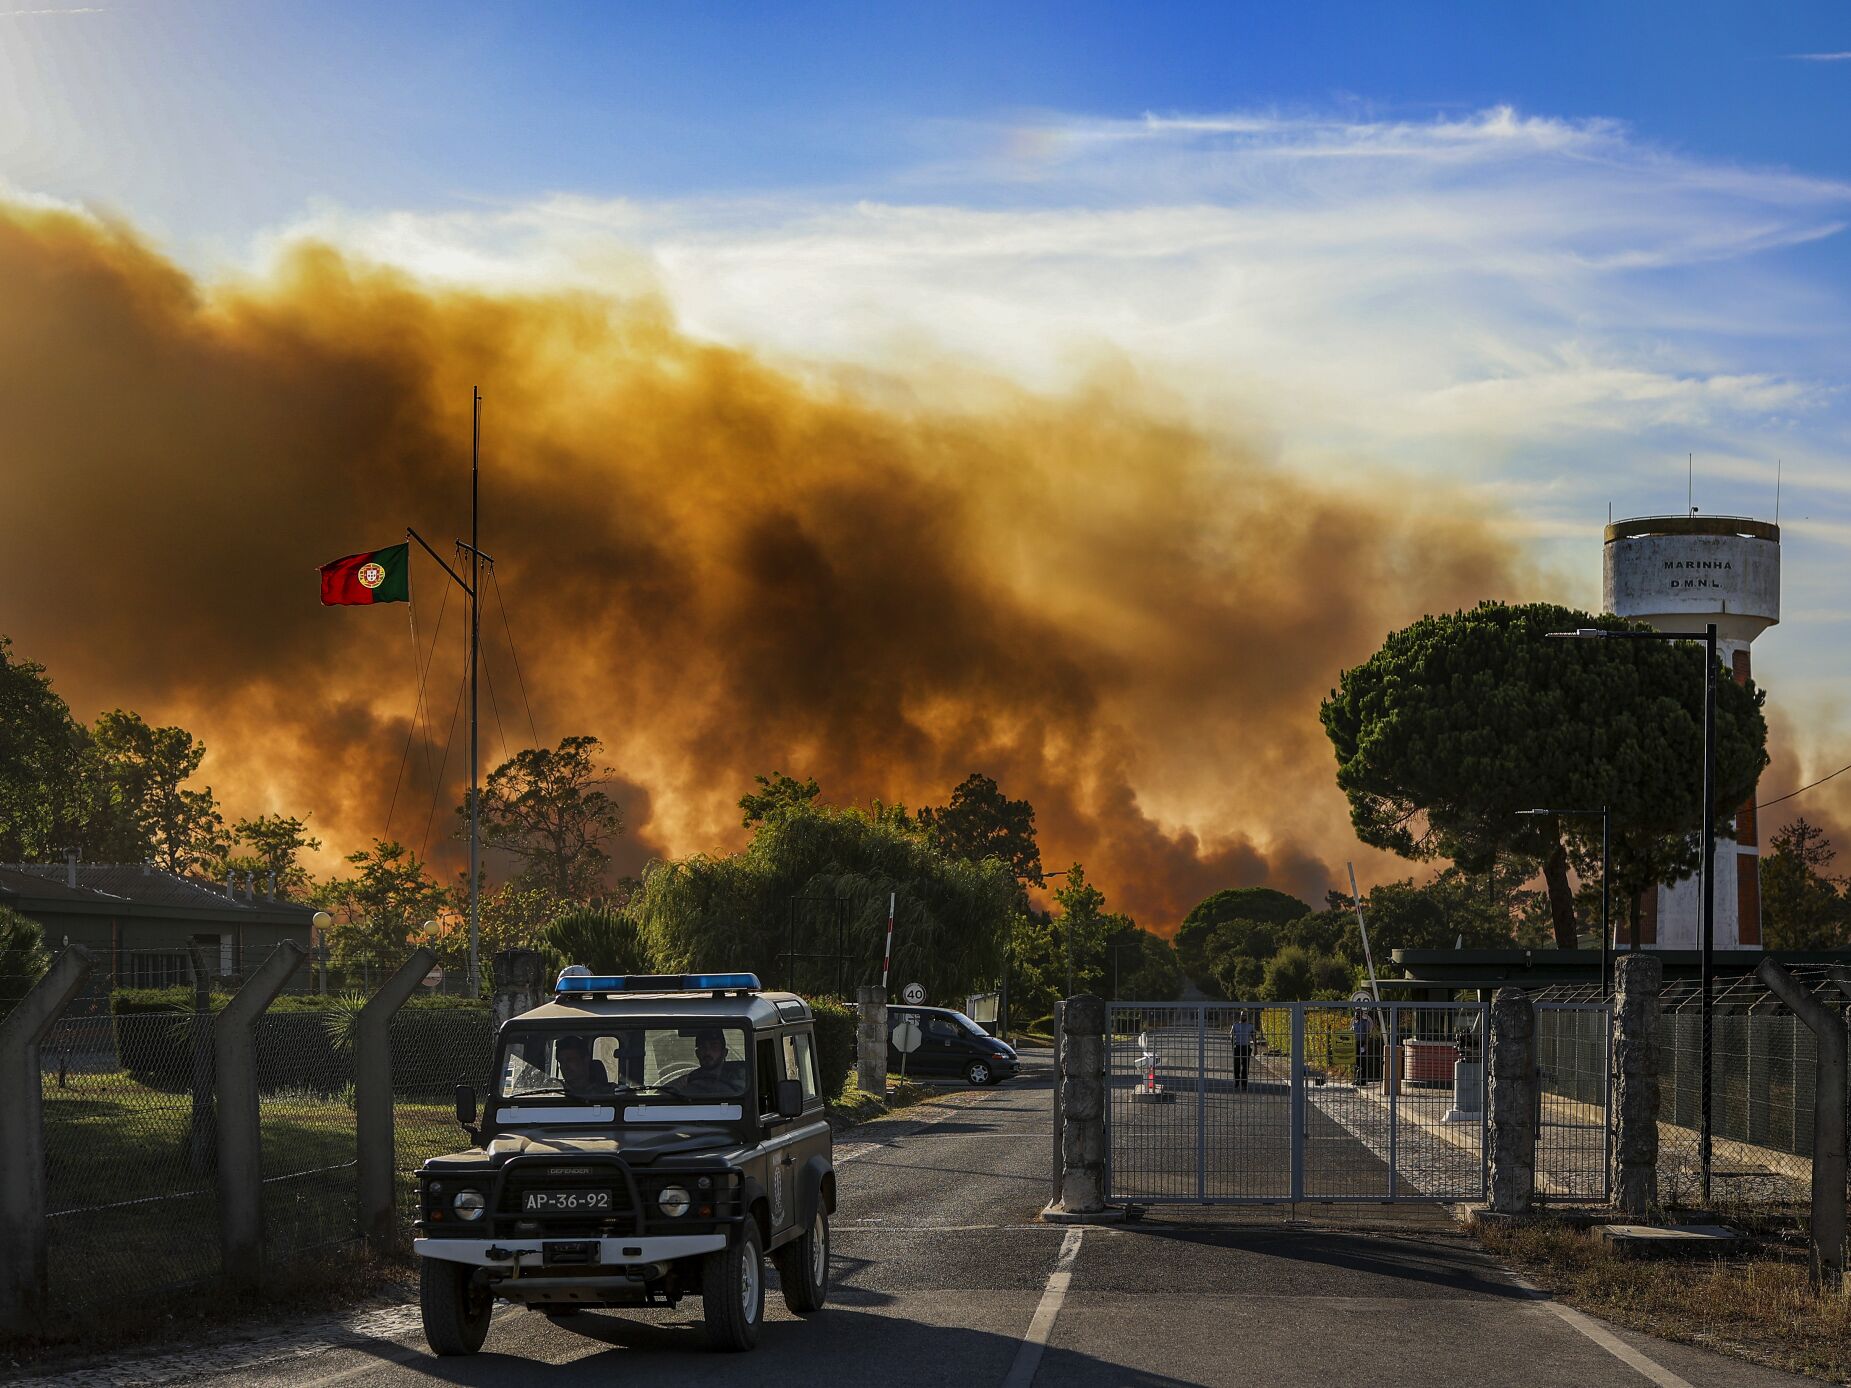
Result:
[{"x": 475, "y": 654}]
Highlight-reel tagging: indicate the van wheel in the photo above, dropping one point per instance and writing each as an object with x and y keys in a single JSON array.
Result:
[
  {"x": 733, "y": 1291},
  {"x": 803, "y": 1265},
  {"x": 456, "y": 1311},
  {"x": 977, "y": 1072}
]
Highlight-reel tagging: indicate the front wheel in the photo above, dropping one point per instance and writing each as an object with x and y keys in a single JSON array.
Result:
[
  {"x": 456, "y": 1311},
  {"x": 733, "y": 1291},
  {"x": 803, "y": 1265},
  {"x": 978, "y": 1072}
]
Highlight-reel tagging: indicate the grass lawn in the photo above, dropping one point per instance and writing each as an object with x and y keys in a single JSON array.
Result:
[
  {"x": 129, "y": 1209},
  {"x": 1757, "y": 1306}
]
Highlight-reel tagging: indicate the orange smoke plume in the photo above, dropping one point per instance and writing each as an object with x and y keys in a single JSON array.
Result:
[{"x": 716, "y": 566}]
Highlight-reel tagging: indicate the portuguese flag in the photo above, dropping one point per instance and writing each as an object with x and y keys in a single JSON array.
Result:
[{"x": 379, "y": 575}]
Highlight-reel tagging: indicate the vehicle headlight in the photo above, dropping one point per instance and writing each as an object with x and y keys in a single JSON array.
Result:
[
  {"x": 469, "y": 1204},
  {"x": 673, "y": 1201}
]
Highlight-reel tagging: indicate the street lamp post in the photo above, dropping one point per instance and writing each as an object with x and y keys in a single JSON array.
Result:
[
  {"x": 1606, "y": 895},
  {"x": 1708, "y": 944}
]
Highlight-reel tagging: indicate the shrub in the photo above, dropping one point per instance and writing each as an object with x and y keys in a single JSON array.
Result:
[
  {"x": 606, "y": 942},
  {"x": 23, "y": 960},
  {"x": 836, "y": 1023}
]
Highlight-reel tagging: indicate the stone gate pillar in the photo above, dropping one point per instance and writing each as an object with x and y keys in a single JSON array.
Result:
[
  {"x": 1632, "y": 1112},
  {"x": 1511, "y": 1125}
]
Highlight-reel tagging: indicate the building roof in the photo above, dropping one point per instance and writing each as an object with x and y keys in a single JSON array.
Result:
[
  {"x": 138, "y": 889},
  {"x": 20, "y": 883}
]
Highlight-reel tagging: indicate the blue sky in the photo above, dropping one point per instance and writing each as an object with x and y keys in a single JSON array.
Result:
[
  {"x": 1542, "y": 250},
  {"x": 420, "y": 104}
]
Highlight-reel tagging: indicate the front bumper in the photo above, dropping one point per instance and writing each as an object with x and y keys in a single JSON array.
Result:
[{"x": 517, "y": 1255}]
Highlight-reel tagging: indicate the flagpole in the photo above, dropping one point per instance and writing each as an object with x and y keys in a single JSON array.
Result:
[{"x": 475, "y": 651}]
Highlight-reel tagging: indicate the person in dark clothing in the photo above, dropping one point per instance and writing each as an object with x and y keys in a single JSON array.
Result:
[
  {"x": 1242, "y": 1034},
  {"x": 1362, "y": 1028}
]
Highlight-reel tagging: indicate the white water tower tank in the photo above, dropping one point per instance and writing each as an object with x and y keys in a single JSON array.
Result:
[{"x": 1679, "y": 573}]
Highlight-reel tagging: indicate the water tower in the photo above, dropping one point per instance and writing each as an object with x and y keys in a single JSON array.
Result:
[{"x": 1677, "y": 573}]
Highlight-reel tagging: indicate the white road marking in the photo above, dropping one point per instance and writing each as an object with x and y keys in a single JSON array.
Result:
[
  {"x": 1603, "y": 1337},
  {"x": 1041, "y": 1328}
]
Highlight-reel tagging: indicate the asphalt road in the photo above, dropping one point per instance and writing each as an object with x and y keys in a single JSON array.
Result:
[{"x": 942, "y": 1275}]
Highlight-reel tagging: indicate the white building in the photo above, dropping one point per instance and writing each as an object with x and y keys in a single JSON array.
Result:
[{"x": 1678, "y": 573}]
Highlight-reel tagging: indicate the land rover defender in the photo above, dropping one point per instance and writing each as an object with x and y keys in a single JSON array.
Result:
[{"x": 643, "y": 1139}]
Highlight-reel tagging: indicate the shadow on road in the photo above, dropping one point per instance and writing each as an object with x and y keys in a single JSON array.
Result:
[{"x": 849, "y": 1341}]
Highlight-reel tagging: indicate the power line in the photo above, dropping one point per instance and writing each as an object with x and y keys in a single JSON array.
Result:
[
  {"x": 508, "y": 627},
  {"x": 1790, "y": 794},
  {"x": 444, "y": 765},
  {"x": 419, "y": 669},
  {"x": 502, "y": 732}
]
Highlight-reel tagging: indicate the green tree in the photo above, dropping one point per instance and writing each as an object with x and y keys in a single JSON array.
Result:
[
  {"x": 774, "y": 791},
  {"x": 1802, "y": 907},
  {"x": 735, "y": 911},
  {"x": 1144, "y": 966},
  {"x": 23, "y": 959},
  {"x": 1288, "y": 976},
  {"x": 41, "y": 764},
  {"x": 142, "y": 774},
  {"x": 1036, "y": 964},
  {"x": 543, "y": 807},
  {"x": 1460, "y": 721},
  {"x": 1197, "y": 939},
  {"x": 1432, "y": 915},
  {"x": 277, "y": 843},
  {"x": 981, "y": 822},
  {"x": 606, "y": 942},
  {"x": 1083, "y": 926},
  {"x": 382, "y": 909}
]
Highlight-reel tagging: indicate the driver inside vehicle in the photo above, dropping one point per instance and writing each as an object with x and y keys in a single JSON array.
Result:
[
  {"x": 581, "y": 1074},
  {"x": 715, "y": 1074}
]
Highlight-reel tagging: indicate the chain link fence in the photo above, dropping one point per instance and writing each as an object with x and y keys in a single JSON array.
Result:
[
  {"x": 432, "y": 1053},
  {"x": 1572, "y": 1055},
  {"x": 129, "y": 1157},
  {"x": 130, "y": 1137},
  {"x": 1761, "y": 1108}
]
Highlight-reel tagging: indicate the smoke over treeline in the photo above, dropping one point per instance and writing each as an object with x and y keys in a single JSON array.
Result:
[{"x": 717, "y": 566}]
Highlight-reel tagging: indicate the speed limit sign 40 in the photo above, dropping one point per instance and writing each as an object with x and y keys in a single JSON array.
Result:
[{"x": 914, "y": 993}]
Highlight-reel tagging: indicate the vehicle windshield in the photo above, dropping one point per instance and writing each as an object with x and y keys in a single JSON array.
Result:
[
  {"x": 677, "y": 1062},
  {"x": 969, "y": 1023}
]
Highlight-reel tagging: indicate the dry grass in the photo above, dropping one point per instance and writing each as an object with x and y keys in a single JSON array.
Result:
[{"x": 1757, "y": 1307}]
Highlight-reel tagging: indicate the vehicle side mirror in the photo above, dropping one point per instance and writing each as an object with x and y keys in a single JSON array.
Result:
[
  {"x": 466, "y": 1104},
  {"x": 790, "y": 1099}
]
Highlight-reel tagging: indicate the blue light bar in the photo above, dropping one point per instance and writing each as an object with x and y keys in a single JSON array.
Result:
[
  {"x": 576, "y": 978},
  {"x": 704, "y": 982}
]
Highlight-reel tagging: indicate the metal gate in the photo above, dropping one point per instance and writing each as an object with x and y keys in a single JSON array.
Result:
[
  {"x": 1278, "y": 1102},
  {"x": 1574, "y": 1061}
]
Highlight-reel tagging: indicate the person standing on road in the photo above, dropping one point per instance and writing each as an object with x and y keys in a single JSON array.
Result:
[
  {"x": 1360, "y": 1029},
  {"x": 1242, "y": 1034}
]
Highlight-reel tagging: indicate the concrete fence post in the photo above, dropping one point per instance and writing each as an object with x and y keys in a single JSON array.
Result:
[
  {"x": 240, "y": 1138},
  {"x": 1513, "y": 1096},
  {"x": 1633, "y": 1108},
  {"x": 202, "y": 1130},
  {"x": 1060, "y": 1115},
  {"x": 521, "y": 983},
  {"x": 1827, "y": 1025},
  {"x": 871, "y": 1041},
  {"x": 24, "y": 1235},
  {"x": 376, "y": 1153},
  {"x": 1082, "y": 1060}
]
